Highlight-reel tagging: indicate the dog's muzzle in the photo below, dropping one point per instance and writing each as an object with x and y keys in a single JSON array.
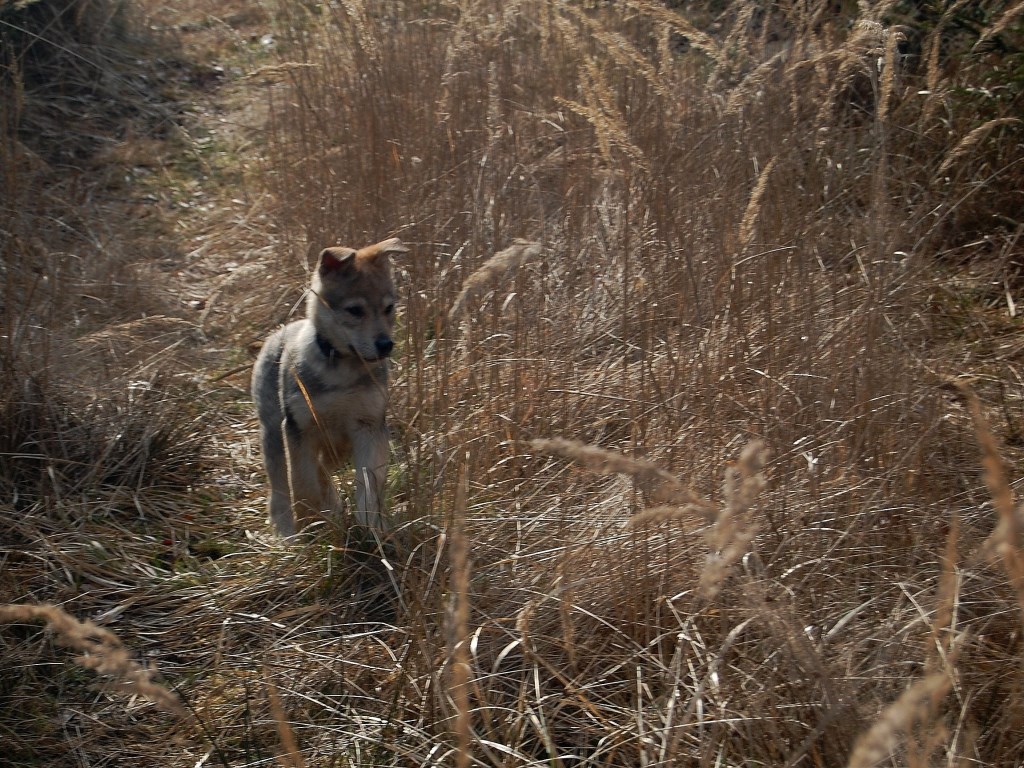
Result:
[{"x": 384, "y": 345}]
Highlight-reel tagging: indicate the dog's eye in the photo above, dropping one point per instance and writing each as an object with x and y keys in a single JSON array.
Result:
[
  {"x": 356, "y": 311},
  {"x": 389, "y": 309}
]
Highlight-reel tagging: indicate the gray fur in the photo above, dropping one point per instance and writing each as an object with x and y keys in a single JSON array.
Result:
[{"x": 320, "y": 389}]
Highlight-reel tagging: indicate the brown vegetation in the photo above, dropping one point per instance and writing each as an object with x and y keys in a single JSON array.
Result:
[{"x": 706, "y": 316}]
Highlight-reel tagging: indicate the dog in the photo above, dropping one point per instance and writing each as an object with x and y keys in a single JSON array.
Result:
[{"x": 320, "y": 389}]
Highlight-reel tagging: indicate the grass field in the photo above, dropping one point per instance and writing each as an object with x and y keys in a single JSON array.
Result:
[{"x": 708, "y": 408}]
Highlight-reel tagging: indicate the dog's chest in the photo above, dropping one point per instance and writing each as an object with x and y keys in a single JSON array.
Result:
[
  {"x": 350, "y": 408},
  {"x": 336, "y": 398}
]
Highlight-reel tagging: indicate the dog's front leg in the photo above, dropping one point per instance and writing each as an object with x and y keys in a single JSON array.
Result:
[
  {"x": 303, "y": 476},
  {"x": 370, "y": 456}
]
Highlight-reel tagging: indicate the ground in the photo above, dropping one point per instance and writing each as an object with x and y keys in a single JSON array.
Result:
[{"x": 734, "y": 250}]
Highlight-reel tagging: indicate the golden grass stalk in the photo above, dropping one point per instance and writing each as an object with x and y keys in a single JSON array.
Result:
[
  {"x": 751, "y": 83},
  {"x": 932, "y": 50},
  {"x": 1008, "y": 17},
  {"x": 494, "y": 269},
  {"x": 677, "y": 23},
  {"x": 102, "y": 651},
  {"x": 694, "y": 514},
  {"x": 942, "y": 636},
  {"x": 1008, "y": 537},
  {"x": 621, "y": 50},
  {"x": 276, "y": 73},
  {"x": 597, "y": 119},
  {"x": 601, "y": 112},
  {"x": 460, "y": 623},
  {"x": 931, "y": 55},
  {"x": 655, "y": 482},
  {"x": 893, "y": 38},
  {"x": 917, "y": 705},
  {"x": 734, "y": 530},
  {"x": 291, "y": 757},
  {"x": 564, "y": 586},
  {"x": 870, "y": 44},
  {"x": 358, "y": 15},
  {"x": 934, "y": 44},
  {"x": 739, "y": 33},
  {"x": 754, "y": 204},
  {"x": 971, "y": 140},
  {"x": 875, "y": 11},
  {"x": 847, "y": 64}
]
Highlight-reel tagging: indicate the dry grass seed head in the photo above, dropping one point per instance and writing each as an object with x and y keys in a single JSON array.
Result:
[
  {"x": 1009, "y": 16},
  {"x": 292, "y": 756},
  {"x": 695, "y": 515},
  {"x": 619, "y": 49},
  {"x": 358, "y": 14},
  {"x": 1007, "y": 540},
  {"x": 893, "y": 38},
  {"x": 971, "y": 140},
  {"x": 918, "y": 705},
  {"x": 940, "y": 642},
  {"x": 863, "y": 56},
  {"x": 610, "y": 126},
  {"x": 754, "y": 204},
  {"x": 746, "y": 90},
  {"x": 679, "y": 24},
  {"x": 656, "y": 483},
  {"x": 459, "y": 683},
  {"x": 734, "y": 530},
  {"x": 496, "y": 268},
  {"x": 102, "y": 651}
]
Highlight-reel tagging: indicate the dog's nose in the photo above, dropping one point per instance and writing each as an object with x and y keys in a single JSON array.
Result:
[{"x": 384, "y": 345}]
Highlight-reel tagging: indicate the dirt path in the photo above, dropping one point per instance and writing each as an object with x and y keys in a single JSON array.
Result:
[
  {"x": 206, "y": 179},
  {"x": 206, "y": 189}
]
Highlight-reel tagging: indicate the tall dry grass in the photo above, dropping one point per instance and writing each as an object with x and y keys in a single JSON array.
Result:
[
  {"x": 86, "y": 398},
  {"x": 98, "y": 420},
  {"x": 679, "y": 474},
  {"x": 740, "y": 231}
]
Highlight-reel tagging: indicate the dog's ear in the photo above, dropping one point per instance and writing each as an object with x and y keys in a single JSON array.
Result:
[
  {"x": 393, "y": 245},
  {"x": 383, "y": 248},
  {"x": 335, "y": 260}
]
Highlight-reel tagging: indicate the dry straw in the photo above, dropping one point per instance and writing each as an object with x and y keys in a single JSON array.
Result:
[
  {"x": 102, "y": 651},
  {"x": 680, "y": 25},
  {"x": 734, "y": 529},
  {"x": 864, "y": 54},
  {"x": 460, "y": 667},
  {"x": 494, "y": 269},
  {"x": 745, "y": 92},
  {"x": 893, "y": 38},
  {"x": 1007, "y": 540},
  {"x": 610, "y": 125},
  {"x": 619, "y": 651},
  {"x": 694, "y": 514},
  {"x": 934, "y": 44},
  {"x": 754, "y": 205},
  {"x": 939, "y": 644},
  {"x": 359, "y": 16},
  {"x": 291, "y": 757},
  {"x": 619, "y": 49},
  {"x": 917, "y": 706},
  {"x": 655, "y": 482},
  {"x": 1000, "y": 26},
  {"x": 971, "y": 140}
]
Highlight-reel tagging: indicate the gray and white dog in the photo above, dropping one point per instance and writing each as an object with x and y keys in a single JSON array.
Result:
[{"x": 320, "y": 388}]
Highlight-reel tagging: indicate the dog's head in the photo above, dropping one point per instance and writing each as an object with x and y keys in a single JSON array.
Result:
[{"x": 352, "y": 301}]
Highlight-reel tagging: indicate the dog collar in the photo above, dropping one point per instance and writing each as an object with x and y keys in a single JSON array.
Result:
[{"x": 326, "y": 349}]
